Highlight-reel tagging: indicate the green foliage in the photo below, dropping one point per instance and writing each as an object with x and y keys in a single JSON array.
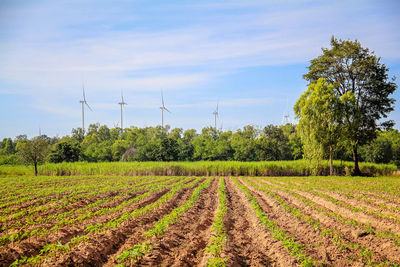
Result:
[
  {"x": 199, "y": 168},
  {"x": 212, "y": 144},
  {"x": 33, "y": 151},
  {"x": 9, "y": 159},
  {"x": 218, "y": 238},
  {"x": 361, "y": 83},
  {"x": 7, "y": 147},
  {"x": 384, "y": 149},
  {"x": 135, "y": 253},
  {"x": 272, "y": 143},
  {"x": 320, "y": 113},
  {"x": 65, "y": 151}
]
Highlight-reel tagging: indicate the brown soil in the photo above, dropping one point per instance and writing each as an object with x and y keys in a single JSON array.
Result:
[
  {"x": 100, "y": 246},
  {"x": 249, "y": 243},
  {"x": 32, "y": 246},
  {"x": 317, "y": 246},
  {"x": 349, "y": 214},
  {"x": 360, "y": 204},
  {"x": 53, "y": 210},
  {"x": 383, "y": 248},
  {"x": 185, "y": 241}
]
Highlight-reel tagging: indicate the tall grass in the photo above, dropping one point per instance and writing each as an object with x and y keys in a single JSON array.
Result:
[{"x": 198, "y": 168}]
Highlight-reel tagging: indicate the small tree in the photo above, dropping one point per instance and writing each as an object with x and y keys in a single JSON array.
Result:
[
  {"x": 33, "y": 151},
  {"x": 320, "y": 113}
]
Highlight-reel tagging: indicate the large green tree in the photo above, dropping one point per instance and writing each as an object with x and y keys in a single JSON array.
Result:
[{"x": 359, "y": 76}]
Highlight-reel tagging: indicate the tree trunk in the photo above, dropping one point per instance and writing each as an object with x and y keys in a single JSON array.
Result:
[
  {"x": 35, "y": 168},
  {"x": 331, "y": 161},
  {"x": 356, "y": 171}
]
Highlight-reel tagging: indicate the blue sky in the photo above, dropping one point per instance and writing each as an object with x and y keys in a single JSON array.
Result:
[{"x": 248, "y": 55}]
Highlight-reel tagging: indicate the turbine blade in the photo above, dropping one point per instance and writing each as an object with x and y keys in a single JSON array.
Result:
[
  {"x": 167, "y": 110},
  {"x": 122, "y": 96},
  {"x": 83, "y": 89},
  {"x": 162, "y": 98},
  {"x": 88, "y": 106}
]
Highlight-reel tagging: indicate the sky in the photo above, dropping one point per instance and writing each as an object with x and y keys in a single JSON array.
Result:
[{"x": 247, "y": 56}]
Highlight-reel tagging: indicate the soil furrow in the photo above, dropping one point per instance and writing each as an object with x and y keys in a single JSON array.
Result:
[
  {"x": 382, "y": 248},
  {"x": 100, "y": 246},
  {"x": 32, "y": 246},
  {"x": 349, "y": 214},
  {"x": 248, "y": 242},
  {"x": 316, "y": 246},
  {"x": 386, "y": 215},
  {"x": 185, "y": 241}
]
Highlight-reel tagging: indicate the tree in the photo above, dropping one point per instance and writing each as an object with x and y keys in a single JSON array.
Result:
[
  {"x": 357, "y": 75},
  {"x": 7, "y": 147},
  {"x": 33, "y": 151},
  {"x": 119, "y": 148},
  {"x": 78, "y": 134},
  {"x": 384, "y": 149},
  {"x": 276, "y": 137},
  {"x": 320, "y": 113},
  {"x": 65, "y": 150},
  {"x": 186, "y": 148},
  {"x": 212, "y": 144},
  {"x": 244, "y": 143}
]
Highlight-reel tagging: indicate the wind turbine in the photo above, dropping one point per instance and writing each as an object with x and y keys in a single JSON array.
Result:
[
  {"x": 162, "y": 109},
  {"x": 83, "y": 102},
  {"x": 121, "y": 104},
  {"x": 286, "y": 116},
  {"x": 215, "y": 117}
]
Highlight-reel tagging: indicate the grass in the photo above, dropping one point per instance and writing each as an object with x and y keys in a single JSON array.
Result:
[{"x": 197, "y": 168}]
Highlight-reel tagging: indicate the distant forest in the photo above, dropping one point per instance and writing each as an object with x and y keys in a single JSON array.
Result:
[{"x": 271, "y": 143}]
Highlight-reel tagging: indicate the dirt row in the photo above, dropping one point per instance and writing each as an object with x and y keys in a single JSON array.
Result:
[
  {"x": 101, "y": 247},
  {"x": 80, "y": 203},
  {"x": 32, "y": 246},
  {"x": 50, "y": 208},
  {"x": 384, "y": 249},
  {"x": 185, "y": 241},
  {"x": 389, "y": 223},
  {"x": 377, "y": 196},
  {"x": 55, "y": 198},
  {"x": 248, "y": 242}
]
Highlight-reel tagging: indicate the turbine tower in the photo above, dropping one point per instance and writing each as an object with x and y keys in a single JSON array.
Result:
[
  {"x": 286, "y": 116},
  {"x": 215, "y": 117},
  {"x": 162, "y": 109},
  {"x": 121, "y": 104},
  {"x": 83, "y": 102}
]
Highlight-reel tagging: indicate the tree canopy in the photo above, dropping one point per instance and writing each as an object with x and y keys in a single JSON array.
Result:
[
  {"x": 320, "y": 126},
  {"x": 33, "y": 151},
  {"x": 361, "y": 81}
]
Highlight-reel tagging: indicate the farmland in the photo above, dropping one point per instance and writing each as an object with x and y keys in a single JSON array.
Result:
[{"x": 199, "y": 220}]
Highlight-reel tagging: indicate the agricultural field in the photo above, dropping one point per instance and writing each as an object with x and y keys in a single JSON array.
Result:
[{"x": 199, "y": 221}]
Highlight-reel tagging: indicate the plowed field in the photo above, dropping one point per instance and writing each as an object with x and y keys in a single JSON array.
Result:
[{"x": 199, "y": 221}]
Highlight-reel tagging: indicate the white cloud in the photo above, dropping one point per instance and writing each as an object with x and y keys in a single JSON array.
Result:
[{"x": 46, "y": 57}]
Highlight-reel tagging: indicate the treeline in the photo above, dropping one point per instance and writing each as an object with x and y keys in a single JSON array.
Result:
[{"x": 271, "y": 143}]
